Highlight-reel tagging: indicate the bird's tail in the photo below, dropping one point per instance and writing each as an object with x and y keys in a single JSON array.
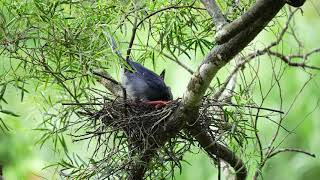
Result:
[{"x": 113, "y": 45}]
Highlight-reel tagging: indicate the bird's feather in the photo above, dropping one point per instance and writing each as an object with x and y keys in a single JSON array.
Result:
[{"x": 144, "y": 84}]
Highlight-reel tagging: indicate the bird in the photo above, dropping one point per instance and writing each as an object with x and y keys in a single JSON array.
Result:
[{"x": 141, "y": 84}]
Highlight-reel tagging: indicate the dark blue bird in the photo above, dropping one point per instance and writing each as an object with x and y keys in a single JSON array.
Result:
[{"x": 141, "y": 84}]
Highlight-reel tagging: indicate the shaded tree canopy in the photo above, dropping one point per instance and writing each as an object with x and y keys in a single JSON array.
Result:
[{"x": 69, "y": 46}]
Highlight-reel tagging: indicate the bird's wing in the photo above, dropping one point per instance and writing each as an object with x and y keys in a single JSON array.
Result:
[{"x": 153, "y": 80}]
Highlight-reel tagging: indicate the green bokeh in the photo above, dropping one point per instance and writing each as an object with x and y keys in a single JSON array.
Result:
[{"x": 25, "y": 160}]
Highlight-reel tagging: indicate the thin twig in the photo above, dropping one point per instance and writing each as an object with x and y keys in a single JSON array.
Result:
[
  {"x": 168, "y": 8},
  {"x": 133, "y": 35},
  {"x": 287, "y": 60},
  {"x": 291, "y": 150}
]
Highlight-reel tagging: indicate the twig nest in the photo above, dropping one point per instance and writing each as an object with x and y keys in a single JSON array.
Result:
[
  {"x": 138, "y": 120},
  {"x": 130, "y": 133}
]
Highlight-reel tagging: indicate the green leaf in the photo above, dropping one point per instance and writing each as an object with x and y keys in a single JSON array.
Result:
[
  {"x": 4, "y": 127},
  {"x": 63, "y": 143},
  {"x": 3, "y": 90},
  {"x": 9, "y": 113}
]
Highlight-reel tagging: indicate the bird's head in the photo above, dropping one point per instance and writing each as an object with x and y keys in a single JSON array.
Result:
[{"x": 168, "y": 94}]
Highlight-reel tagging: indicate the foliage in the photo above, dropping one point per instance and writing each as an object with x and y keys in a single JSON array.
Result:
[{"x": 55, "y": 45}]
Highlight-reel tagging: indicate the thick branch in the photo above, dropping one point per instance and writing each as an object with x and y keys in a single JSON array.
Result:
[
  {"x": 138, "y": 170},
  {"x": 215, "y": 60},
  {"x": 215, "y": 12},
  {"x": 251, "y": 16},
  {"x": 223, "y": 53},
  {"x": 219, "y": 151},
  {"x": 226, "y": 90},
  {"x": 108, "y": 82}
]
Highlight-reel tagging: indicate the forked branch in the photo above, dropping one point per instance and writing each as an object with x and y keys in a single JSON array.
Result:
[{"x": 215, "y": 12}]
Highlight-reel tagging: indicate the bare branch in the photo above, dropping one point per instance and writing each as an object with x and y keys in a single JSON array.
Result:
[
  {"x": 133, "y": 35},
  {"x": 259, "y": 15},
  {"x": 215, "y": 13},
  {"x": 252, "y": 15},
  {"x": 220, "y": 151},
  {"x": 291, "y": 150},
  {"x": 176, "y": 60},
  {"x": 226, "y": 90},
  {"x": 168, "y": 8},
  {"x": 1, "y": 173},
  {"x": 227, "y": 94},
  {"x": 311, "y": 52},
  {"x": 305, "y": 56},
  {"x": 222, "y": 54},
  {"x": 287, "y": 60},
  {"x": 172, "y": 57},
  {"x": 274, "y": 153},
  {"x": 108, "y": 82},
  {"x": 227, "y": 171}
]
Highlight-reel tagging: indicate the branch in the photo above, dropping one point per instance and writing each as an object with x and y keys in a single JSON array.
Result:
[
  {"x": 263, "y": 51},
  {"x": 1, "y": 173},
  {"x": 215, "y": 12},
  {"x": 108, "y": 82},
  {"x": 227, "y": 171},
  {"x": 223, "y": 53},
  {"x": 176, "y": 60},
  {"x": 214, "y": 61},
  {"x": 226, "y": 90},
  {"x": 287, "y": 60},
  {"x": 220, "y": 151},
  {"x": 168, "y": 8},
  {"x": 272, "y": 154},
  {"x": 133, "y": 35},
  {"x": 138, "y": 170},
  {"x": 291, "y": 150},
  {"x": 230, "y": 30},
  {"x": 311, "y": 52}
]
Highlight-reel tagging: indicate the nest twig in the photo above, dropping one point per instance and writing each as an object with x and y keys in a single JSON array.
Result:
[{"x": 132, "y": 137}]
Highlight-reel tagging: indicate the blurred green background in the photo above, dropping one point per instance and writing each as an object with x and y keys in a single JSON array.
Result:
[{"x": 27, "y": 160}]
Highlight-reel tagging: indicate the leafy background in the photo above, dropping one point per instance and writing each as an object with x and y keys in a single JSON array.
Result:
[{"x": 27, "y": 158}]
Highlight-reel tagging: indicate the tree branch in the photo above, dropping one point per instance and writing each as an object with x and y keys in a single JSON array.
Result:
[
  {"x": 276, "y": 152},
  {"x": 291, "y": 150},
  {"x": 218, "y": 150},
  {"x": 226, "y": 90},
  {"x": 214, "y": 61},
  {"x": 223, "y": 53},
  {"x": 108, "y": 82},
  {"x": 1, "y": 173},
  {"x": 287, "y": 60},
  {"x": 168, "y": 8},
  {"x": 215, "y": 13},
  {"x": 133, "y": 35},
  {"x": 243, "y": 22}
]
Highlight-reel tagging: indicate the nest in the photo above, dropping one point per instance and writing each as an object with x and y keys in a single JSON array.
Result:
[
  {"x": 143, "y": 125},
  {"x": 129, "y": 134}
]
